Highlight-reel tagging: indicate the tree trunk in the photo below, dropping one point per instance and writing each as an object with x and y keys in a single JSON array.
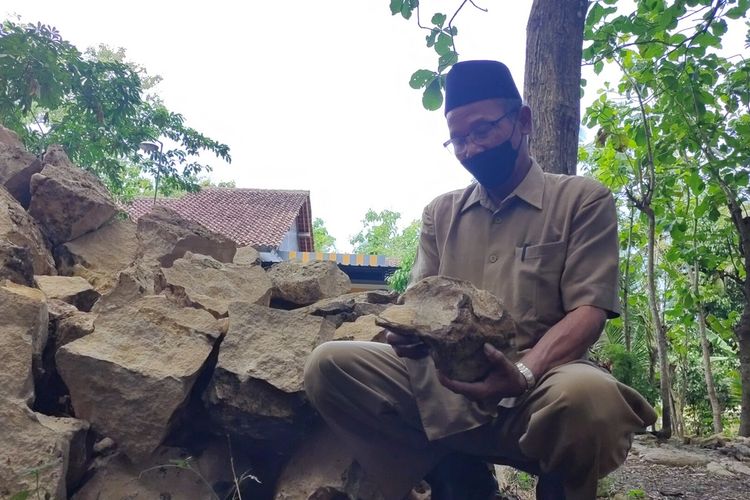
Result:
[
  {"x": 661, "y": 334},
  {"x": 552, "y": 81},
  {"x": 743, "y": 337},
  {"x": 706, "y": 348},
  {"x": 626, "y": 285},
  {"x": 742, "y": 330}
]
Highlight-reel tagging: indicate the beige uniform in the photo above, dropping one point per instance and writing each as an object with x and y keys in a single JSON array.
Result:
[{"x": 548, "y": 248}]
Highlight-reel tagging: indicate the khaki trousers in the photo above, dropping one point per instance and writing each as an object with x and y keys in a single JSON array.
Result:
[{"x": 577, "y": 422}]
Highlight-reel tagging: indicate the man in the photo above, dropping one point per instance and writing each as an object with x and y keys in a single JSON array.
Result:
[{"x": 547, "y": 246}]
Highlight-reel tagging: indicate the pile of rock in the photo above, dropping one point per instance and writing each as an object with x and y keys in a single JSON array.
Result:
[{"x": 145, "y": 359}]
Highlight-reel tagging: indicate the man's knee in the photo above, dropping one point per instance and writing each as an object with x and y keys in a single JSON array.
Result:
[
  {"x": 586, "y": 405},
  {"x": 320, "y": 368}
]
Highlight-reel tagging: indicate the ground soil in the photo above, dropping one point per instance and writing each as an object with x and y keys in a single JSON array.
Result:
[{"x": 640, "y": 478}]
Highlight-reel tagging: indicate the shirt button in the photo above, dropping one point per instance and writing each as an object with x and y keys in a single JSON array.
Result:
[
  {"x": 497, "y": 220},
  {"x": 493, "y": 258}
]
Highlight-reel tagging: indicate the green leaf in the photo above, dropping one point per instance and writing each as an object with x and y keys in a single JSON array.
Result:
[
  {"x": 438, "y": 19},
  {"x": 447, "y": 60},
  {"x": 396, "y": 6},
  {"x": 598, "y": 67},
  {"x": 406, "y": 10},
  {"x": 432, "y": 98},
  {"x": 444, "y": 44},
  {"x": 421, "y": 78},
  {"x": 719, "y": 27},
  {"x": 432, "y": 36}
]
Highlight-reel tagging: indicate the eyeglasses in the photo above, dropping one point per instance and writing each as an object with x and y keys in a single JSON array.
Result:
[{"x": 481, "y": 135}]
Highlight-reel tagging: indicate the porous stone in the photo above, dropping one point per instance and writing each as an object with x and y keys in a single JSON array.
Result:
[
  {"x": 154, "y": 479},
  {"x": 165, "y": 236},
  {"x": 133, "y": 374},
  {"x": 321, "y": 468},
  {"x": 363, "y": 328},
  {"x": 16, "y": 166},
  {"x": 71, "y": 289},
  {"x": 67, "y": 201},
  {"x": 455, "y": 319},
  {"x": 100, "y": 255},
  {"x": 134, "y": 282},
  {"x": 350, "y": 306},
  {"x": 302, "y": 284},
  {"x": 257, "y": 385},
  {"x": 21, "y": 242},
  {"x": 9, "y": 138},
  {"x": 74, "y": 327},
  {"x": 76, "y": 433},
  {"x": 202, "y": 281},
  {"x": 673, "y": 457},
  {"x": 23, "y": 335},
  {"x": 247, "y": 256},
  {"x": 34, "y": 458}
]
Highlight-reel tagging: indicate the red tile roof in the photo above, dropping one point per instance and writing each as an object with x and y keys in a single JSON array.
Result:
[{"x": 257, "y": 217}]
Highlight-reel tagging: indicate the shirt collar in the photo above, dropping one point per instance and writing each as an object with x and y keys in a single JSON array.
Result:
[{"x": 530, "y": 190}]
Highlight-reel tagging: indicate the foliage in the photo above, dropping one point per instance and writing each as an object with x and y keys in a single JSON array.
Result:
[
  {"x": 94, "y": 105},
  {"x": 324, "y": 242},
  {"x": 674, "y": 132},
  {"x": 441, "y": 37},
  {"x": 382, "y": 236}
]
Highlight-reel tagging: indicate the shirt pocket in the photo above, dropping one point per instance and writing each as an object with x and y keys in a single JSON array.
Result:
[{"x": 539, "y": 269}]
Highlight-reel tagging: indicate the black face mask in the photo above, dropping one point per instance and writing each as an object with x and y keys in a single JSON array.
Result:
[{"x": 494, "y": 166}]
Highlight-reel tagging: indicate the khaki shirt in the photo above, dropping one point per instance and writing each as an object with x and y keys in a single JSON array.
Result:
[{"x": 551, "y": 246}]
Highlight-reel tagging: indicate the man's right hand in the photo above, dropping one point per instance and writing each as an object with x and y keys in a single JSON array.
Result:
[{"x": 406, "y": 346}]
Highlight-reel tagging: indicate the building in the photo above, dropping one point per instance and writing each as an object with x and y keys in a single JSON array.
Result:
[{"x": 278, "y": 223}]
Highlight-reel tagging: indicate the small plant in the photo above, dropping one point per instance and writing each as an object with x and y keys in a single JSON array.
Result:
[
  {"x": 605, "y": 487},
  {"x": 636, "y": 493},
  {"x": 39, "y": 492},
  {"x": 183, "y": 464},
  {"x": 187, "y": 464}
]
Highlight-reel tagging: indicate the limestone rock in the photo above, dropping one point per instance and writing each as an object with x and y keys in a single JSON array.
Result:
[
  {"x": 132, "y": 375},
  {"x": 18, "y": 229},
  {"x": 321, "y": 468},
  {"x": 28, "y": 446},
  {"x": 247, "y": 256},
  {"x": 119, "y": 479},
  {"x": 257, "y": 386},
  {"x": 71, "y": 289},
  {"x": 23, "y": 335},
  {"x": 305, "y": 283},
  {"x": 100, "y": 255},
  {"x": 364, "y": 329},
  {"x": 74, "y": 327},
  {"x": 133, "y": 283},
  {"x": 76, "y": 433},
  {"x": 673, "y": 457},
  {"x": 9, "y": 138},
  {"x": 201, "y": 281},
  {"x": 16, "y": 264},
  {"x": 350, "y": 306},
  {"x": 16, "y": 168},
  {"x": 716, "y": 468},
  {"x": 67, "y": 201},
  {"x": 455, "y": 320},
  {"x": 164, "y": 236}
]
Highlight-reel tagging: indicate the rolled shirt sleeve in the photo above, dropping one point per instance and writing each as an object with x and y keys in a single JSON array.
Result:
[
  {"x": 590, "y": 276},
  {"x": 427, "y": 261}
]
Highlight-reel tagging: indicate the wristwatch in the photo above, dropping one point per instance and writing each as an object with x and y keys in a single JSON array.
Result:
[{"x": 527, "y": 374}]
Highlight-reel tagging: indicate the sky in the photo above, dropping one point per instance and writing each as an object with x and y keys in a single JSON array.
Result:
[{"x": 308, "y": 94}]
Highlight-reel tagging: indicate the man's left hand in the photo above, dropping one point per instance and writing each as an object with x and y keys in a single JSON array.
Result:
[{"x": 504, "y": 380}]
